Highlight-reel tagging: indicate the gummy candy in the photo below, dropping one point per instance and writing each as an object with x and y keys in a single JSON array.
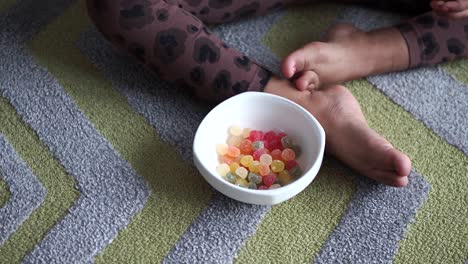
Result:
[
  {"x": 259, "y": 152},
  {"x": 255, "y": 167},
  {"x": 296, "y": 172},
  {"x": 241, "y": 183},
  {"x": 286, "y": 142},
  {"x": 228, "y": 160},
  {"x": 257, "y": 160},
  {"x": 276, "y": 154},
  {"x": 247, "y": 160},
  {"x": 255, "y": 178},
  {"x": 274, "y": 186},
  {"x": 258, "y": 145},
  {"x": 230, "y": 177},
  {"x": 252, "y": 186},
  {"x": 291, "y": 164},
  {"x": 264, "y": 169},
  {"x": 246, "y": 147},
  {"x": 235, "y": 130},
  {"x": 266, "y": 159},
  {"x": 235, "y": 141},
  {"x": 284, "y": 177},
  {"x": 256, "y": 135},
  {"x": 233, "y": 166},
  {"x": 288, "y": 154},
  {"x": 246, "y": 132},
  {"x": 274, "y": 144},
  {"x": 242, "y": 172},
  {"x": 233, "y": 151},
  {"x": 277, "y": 166},
  {"x": 269, "y": 179},
  {"x": 222, "y": 149},
  {"x": 269, "y": 136},
  {"x": 223, "y": 169}
]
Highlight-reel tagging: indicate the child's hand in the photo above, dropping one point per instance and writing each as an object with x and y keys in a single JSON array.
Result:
[{"x": 451, "y": 8}]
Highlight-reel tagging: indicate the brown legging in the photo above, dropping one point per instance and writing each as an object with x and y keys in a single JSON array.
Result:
[{"x": 169, "y": 37}]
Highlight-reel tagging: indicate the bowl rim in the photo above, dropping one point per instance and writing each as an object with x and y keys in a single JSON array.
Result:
[{"x": 305, "y": 181}]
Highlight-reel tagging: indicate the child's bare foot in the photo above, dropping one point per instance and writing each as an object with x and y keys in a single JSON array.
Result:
[
  {"x": 348, "y": 54},
  {"x": 451, "y": 8},
  {"x": 349, "y": 138}
]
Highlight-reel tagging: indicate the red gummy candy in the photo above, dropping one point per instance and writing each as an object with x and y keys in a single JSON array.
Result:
[
  {"x": 269, "y": 179},
  {"x": 269, "y": 136},
  {"x": 257, "y": 153},
  {"x": 276, "y": 154},
  {"x": 262, "y": 187},
  {"x": 291, "y": 164},
  {"x": 256, "y": 135},
  {"x": 274, "y": 144}
]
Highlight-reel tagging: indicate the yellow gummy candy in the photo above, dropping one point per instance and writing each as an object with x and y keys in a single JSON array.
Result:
[
  {"x": 277, "y": 166},
  {"x": 223, "y": 169}
]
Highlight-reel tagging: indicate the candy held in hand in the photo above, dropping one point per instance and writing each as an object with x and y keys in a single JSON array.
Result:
[{"x": 258, "y": 160}]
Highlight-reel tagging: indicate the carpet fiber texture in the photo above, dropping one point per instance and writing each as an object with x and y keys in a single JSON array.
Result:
[{"x": 96, "y": 160}]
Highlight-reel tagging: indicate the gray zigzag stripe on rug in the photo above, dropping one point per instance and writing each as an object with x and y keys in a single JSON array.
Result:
[
  {"x": 95, "y": 218},
  {"x": 431, "y": 94},
  {"x": 111, "y": 191},
  {"x": 371, "y": 229},
  {"x": 27, "y": 192}
]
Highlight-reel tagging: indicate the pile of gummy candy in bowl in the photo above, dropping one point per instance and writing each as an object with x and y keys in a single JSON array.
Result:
[{"x": 259, "y": 160}]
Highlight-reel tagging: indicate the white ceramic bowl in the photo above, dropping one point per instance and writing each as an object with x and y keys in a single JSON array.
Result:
[{"x": 260, "y": 111}]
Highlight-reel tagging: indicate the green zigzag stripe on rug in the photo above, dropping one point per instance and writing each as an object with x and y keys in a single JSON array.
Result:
[
  {"x": 458, "y": 69},
  {"x": 294, "y": 231},
  {"x": 5, "y": 193},
  {"x": 173, "y": 186},
  {"x": 61, "y": 193}
]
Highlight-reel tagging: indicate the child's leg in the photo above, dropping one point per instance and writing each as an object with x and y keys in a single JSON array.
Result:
[
  {"x": 433, "y": 39},
  {"x": 425, "y": 40},
  {"x": 176, "y": 44},
  {"x": 179, "y": 47}
]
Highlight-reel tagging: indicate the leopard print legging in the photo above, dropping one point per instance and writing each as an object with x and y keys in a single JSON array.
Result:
[{"x": 170, "y": 37}]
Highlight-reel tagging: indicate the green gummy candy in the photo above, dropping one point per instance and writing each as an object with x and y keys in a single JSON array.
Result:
[
  {"x": 252, "y": 186},
  {"x": 258, "y": 145},
  {"x": 230, "y": 177},
  {"x": 286, "y": 142},
  {"x": 254, "y": 178},
  {"x": 296, "y": 172}
]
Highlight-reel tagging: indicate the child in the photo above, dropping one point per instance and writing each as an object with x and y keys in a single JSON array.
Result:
[{"x": 169, "y": 37}]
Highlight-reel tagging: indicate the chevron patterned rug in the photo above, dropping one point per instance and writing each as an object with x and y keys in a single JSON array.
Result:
[{"x": 95, "y": 155}]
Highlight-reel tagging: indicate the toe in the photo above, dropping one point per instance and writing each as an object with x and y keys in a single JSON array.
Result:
[
  {"x": 309, "y": 80},
  {"x": 389, "y": 178}
]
